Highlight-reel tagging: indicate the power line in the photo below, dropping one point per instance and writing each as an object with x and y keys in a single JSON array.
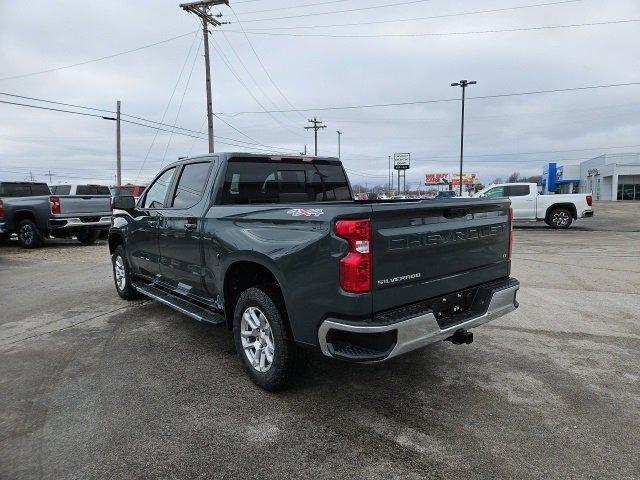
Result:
[
  {"x": 275, "y": 85},
  {"x": 435, "y": 34},
  {"x": 184, "y": 93},
  {"x": 442, "y": 100},
  {"x": 307, "y": 5},
  {"x": 225, "y": 60},
  {"x": 414, "y": 19},
  {"x": 359, "y": 9},
  {"x": 255, "y": 82},
  {"x": 56, "y": 103},
  {"x": 106, "y": 57},
  {"x": 164, "y": 114},
  {"x": 52, "y": 109},
  {"x": 175, "y": 127}
]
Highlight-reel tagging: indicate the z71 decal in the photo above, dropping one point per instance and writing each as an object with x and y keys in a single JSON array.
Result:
[{"x": 305, "y": 212}]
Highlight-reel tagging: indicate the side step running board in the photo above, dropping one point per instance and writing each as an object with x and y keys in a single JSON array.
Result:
[{"x": 180, "y": 304}]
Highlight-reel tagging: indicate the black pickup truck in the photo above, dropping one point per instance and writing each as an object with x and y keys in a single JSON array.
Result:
[{"x": 276, "y": 249}]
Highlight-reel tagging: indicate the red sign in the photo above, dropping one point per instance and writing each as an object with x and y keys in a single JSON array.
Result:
[{"x": 436, "y": 178}]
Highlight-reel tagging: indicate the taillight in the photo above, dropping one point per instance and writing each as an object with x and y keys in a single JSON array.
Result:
[
  {"x": 1, "y": 208},
  {"x": 510, "y": 232},
  {"x": 55, "y": 205},
  {"x": 355, "y": 268},
  {"x": 589, "y": 200}
]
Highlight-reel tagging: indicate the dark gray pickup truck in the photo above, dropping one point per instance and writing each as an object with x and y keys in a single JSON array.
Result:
[
  {"x": 276, "y": 249},
  {"x": 29, "y": 210}
]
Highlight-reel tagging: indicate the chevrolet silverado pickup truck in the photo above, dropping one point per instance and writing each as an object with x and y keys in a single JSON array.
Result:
[
  {"x": 33, "y": 213},
  {"x": 276, "y": 249},
  {"x": 557, "y": 211}
]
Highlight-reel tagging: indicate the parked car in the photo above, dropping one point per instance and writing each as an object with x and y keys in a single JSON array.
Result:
[
  {"x": 445, "y": 194},
  {"x": 276, "y": 249},
  {"x": 557, "y": 211},
  {"x": 33, "y": 213}
]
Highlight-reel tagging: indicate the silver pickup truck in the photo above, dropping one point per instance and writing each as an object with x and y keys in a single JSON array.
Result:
[{"x": 31, "y": 211}]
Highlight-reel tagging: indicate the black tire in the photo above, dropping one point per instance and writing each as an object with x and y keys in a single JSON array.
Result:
[
  {"x": 87, "y": 237},
  {"x": 560, "y": 218},
  {"x": 288, "y": 360},
  {"x": 124, "y": 288},
  {"x": 29, "y": 235}
]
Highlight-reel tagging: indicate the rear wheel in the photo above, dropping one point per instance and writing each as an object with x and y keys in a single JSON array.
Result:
[
  {"x": 87, "y": 237},
  {"x": 560, "y": 218},
  {"x": 263, "y": 340},
  {"x": 122, "y": 275},
  {"x": 28, "y": 234}
]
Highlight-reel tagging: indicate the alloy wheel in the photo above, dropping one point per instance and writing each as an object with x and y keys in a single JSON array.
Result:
[
  {"x": 26, "y": 234},
  {"x": 257, "y": 339},
  {"x": 118, "y": 268},
  {"x": 560, "y": 218}
]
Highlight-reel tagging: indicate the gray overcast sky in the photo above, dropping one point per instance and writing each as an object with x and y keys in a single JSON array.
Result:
[{"x": 321, "y": 71}]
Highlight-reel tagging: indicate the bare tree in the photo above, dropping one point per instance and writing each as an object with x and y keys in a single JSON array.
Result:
[
  {"x": 514, "y": 177},
  {"x": 497, "y": 181}
]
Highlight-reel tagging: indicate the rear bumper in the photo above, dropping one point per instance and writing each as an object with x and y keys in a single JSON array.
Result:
[
  {"x": 587, "y": 214},
  {"x": 398, "y": 338},
  {"x": 4, "y": 227},
  {"x": 94, "y": 221}
]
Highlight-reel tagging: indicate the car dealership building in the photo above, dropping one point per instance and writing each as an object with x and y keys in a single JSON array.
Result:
[{"x": 614, "y": 176}]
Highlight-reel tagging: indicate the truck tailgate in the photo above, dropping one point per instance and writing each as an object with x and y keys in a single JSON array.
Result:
[
  {"x": 72, "y": 204},
  {"x": 431, "y": 248}
]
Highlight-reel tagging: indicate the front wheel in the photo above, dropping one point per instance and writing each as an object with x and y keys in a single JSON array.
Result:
[
  {"x": 560, "y": 218},
  {"x": 122, "y": 275},
  {"x": 263, "y": 340}
]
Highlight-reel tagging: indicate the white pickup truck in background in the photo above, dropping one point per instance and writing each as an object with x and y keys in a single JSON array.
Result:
[{"x": 557, "y": 211}]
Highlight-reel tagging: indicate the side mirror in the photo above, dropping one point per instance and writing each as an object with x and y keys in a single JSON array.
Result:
[{"x": 124, "y": 203}]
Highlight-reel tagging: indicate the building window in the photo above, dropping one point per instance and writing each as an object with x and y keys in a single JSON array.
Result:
[{"x": 629, "y": 191}]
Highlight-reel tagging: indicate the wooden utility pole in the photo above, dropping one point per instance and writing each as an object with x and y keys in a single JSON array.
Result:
[
  {"x": 118, "y": 147},
  {"x": 317, "y": 125},
  {"x": 201, "y": 9}
]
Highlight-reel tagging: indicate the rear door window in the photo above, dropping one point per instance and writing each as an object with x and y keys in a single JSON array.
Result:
[
  {"x": 92, "y": 190},
  {"x": 61, "y": 189},
  {"x": 517, "y": 190},
  {"x": 191, "y": 185},
  {"x": 40, "y": 189},
  {"x": 157, "y": 192},
  {"x": 266, "y": 181},
  {"x": 23, "y": 189}
]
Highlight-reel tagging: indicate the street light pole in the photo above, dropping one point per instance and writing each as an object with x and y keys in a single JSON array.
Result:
[
  {"x": 390, "y": 179},
  {"x": 339, "y": 135},
  {"x": 118, "y": 147},
  {"x": 463, "y": 84}
]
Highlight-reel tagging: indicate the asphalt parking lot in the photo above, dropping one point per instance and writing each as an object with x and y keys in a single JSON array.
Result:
[{"x": 94, "y": 387}]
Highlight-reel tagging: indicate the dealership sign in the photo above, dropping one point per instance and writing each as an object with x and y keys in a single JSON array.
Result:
[
  {"x": 401, "y": 161},
  {"x": 467, "y": 179},
  {"x": 437, "y": 179}
]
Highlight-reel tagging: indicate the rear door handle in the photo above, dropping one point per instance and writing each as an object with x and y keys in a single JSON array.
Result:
[{"x": 191, "y": 225}]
